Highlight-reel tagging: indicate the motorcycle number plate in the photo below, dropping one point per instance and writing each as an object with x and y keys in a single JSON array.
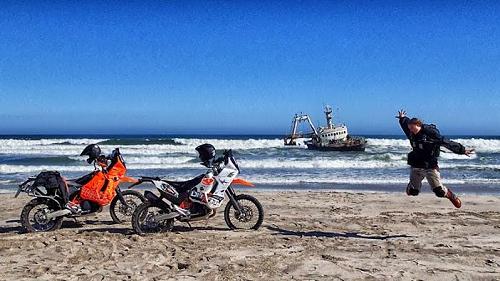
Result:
[{"x": 215, "y": 201}]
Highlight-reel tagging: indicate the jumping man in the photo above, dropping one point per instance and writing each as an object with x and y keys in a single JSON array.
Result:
[{"x": 426, "y": 142}]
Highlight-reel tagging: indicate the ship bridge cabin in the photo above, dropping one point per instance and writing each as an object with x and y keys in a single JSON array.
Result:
[{"x": 333, "y": 134}]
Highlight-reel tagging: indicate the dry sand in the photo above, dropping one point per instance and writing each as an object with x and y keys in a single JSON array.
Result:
[{"x": 305, "y": 236}]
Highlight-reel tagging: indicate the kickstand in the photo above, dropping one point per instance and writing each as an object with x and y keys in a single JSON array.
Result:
[{"x": 190, "y": 227}]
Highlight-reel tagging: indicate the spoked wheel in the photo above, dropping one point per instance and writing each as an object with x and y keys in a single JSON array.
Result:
[
  {"x": 34, "y": 216},
  {"x": 144, "y": 222},
  {"x": 121, "y": 213},
  {"x": 250, "y": 217}
]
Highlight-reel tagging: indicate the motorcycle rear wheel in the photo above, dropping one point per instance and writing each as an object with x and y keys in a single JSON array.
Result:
[
  {"x": 33, "y": 216},
  {"x": 143, "y": 220},
  {"x": 251, "y": 217}
]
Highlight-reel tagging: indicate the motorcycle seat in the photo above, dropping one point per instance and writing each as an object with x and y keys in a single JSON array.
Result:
[
  {"x": 184, "y": 186},
  {"x": 73, "y": 183},
  {"x": 78, "y": 182}
]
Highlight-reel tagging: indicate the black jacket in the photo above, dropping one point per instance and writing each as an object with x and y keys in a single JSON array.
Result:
[{"x": 426, "y": 145}]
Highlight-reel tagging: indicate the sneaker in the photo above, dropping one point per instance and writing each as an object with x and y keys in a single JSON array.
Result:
[
  {"x": 454, "y": 199},
  {"x": 74, "y": 208}
]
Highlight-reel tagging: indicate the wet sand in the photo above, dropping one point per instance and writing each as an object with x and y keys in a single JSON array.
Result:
[{"x": 305, "y": 236}]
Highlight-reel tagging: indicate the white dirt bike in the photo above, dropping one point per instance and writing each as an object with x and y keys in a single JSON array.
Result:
[{"x": 198, "y": 199}]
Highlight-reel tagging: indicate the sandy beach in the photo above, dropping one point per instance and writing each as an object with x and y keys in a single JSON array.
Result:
[{"x": 305, "y": 236}]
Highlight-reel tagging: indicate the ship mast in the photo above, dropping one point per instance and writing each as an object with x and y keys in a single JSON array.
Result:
[
  {"x": 297, "y": 119},
  {"x": 329, "y": 117}
]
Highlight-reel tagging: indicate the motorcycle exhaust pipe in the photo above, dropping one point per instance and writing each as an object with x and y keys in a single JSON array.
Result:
[
  {"x": 59, "y": 213},
  {"x": 167, "y": 216}
]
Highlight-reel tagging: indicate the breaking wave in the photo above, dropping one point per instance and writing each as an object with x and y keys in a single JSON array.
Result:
[
  {"x": 262, "y": 160},
  {"x": 130, "y": 141},
  {"x": 160, "y": 163},
  {"x": 481, "y": 145},
  {"x": 186, "y": 145}
]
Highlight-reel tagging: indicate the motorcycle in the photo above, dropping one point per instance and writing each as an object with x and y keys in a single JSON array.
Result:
[
  {"x": 91, "y": 193},
  {"x": 198, "y": 199}
]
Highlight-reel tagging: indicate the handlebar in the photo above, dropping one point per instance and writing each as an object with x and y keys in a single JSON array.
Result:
[
  {"x": 149, "y": 178},
  {"x": 227, "y": 155}
]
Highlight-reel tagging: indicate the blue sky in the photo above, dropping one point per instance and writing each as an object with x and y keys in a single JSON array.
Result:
[{"x": 236, "y": 67}]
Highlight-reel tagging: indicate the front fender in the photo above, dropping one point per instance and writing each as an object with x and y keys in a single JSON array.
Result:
[{"x": 240, "y": 181}]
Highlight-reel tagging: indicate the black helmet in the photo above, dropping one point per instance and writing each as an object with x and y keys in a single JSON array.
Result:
[
  {"x": 93, "y": 151},
  {"x": 206, "y": 153}
]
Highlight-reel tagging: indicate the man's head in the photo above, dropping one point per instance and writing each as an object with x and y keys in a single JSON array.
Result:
[{"x": 415, "y": 125}]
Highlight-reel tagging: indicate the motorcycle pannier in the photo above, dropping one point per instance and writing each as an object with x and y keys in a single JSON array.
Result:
[{"x": 52, "y": 181}]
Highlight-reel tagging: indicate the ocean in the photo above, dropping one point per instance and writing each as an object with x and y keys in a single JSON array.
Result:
[{"x": 263, "y": 160}]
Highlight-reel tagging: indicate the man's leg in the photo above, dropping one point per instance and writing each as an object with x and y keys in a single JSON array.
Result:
[
  {"x": 434, "y": 178},
  {"x": 417, "y": 175}
]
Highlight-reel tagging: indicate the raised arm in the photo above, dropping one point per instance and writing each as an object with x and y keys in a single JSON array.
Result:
[
  {"x": 455, "y": 147},
  {"x": 403, "y": 122}
]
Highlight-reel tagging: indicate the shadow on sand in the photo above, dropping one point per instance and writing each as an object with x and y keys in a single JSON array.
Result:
[
  {"x": 11, "y": 229},
  {"x": 322, "y": 234},
  {"x": 12, "y": 226},
  {"x": 80, "y": 226},
  {"x": 127, "y": 230},
  {"x": 117, "y": 230}
]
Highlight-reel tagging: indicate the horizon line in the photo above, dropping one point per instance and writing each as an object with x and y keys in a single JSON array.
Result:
[{"x": 214, "y": 134}]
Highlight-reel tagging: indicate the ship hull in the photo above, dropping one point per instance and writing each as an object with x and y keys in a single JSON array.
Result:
[{"x": 360, "y": 146}]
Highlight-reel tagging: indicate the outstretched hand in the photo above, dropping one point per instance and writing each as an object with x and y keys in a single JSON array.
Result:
[
  {"x": 401, "y": 114},
  {"x": 469, "y": 151}
]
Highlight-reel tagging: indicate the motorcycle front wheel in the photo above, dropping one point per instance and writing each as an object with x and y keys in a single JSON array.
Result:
[
  {"x": 34, "y": 216},
  {"x": 143, "y": 219},
  {"x": 250, "y": 217},
  {"x": 121, "y": 213}
]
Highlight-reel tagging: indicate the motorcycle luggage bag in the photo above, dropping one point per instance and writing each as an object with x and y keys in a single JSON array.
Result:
[{"x": 52, "y": 181}]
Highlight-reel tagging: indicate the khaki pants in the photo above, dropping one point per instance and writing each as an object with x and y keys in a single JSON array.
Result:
[{"x": 433, "y": 177}]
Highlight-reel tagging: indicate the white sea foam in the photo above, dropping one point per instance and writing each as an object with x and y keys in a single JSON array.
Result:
[
  {"x": 481, "y": 145},
  {"x": 388, "y": 143},
  {"x": 167, "y": 160},
  {"x": 234, "y": 144},
  {"x": 24, "y": 143},
  {"x": 350, "y": 180},
  {"x": 317, "y": 164},
  {"x": 256, "y": 155},
  {"x": 453, "y": 156},
  {"x": 73, "y": 147}
]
